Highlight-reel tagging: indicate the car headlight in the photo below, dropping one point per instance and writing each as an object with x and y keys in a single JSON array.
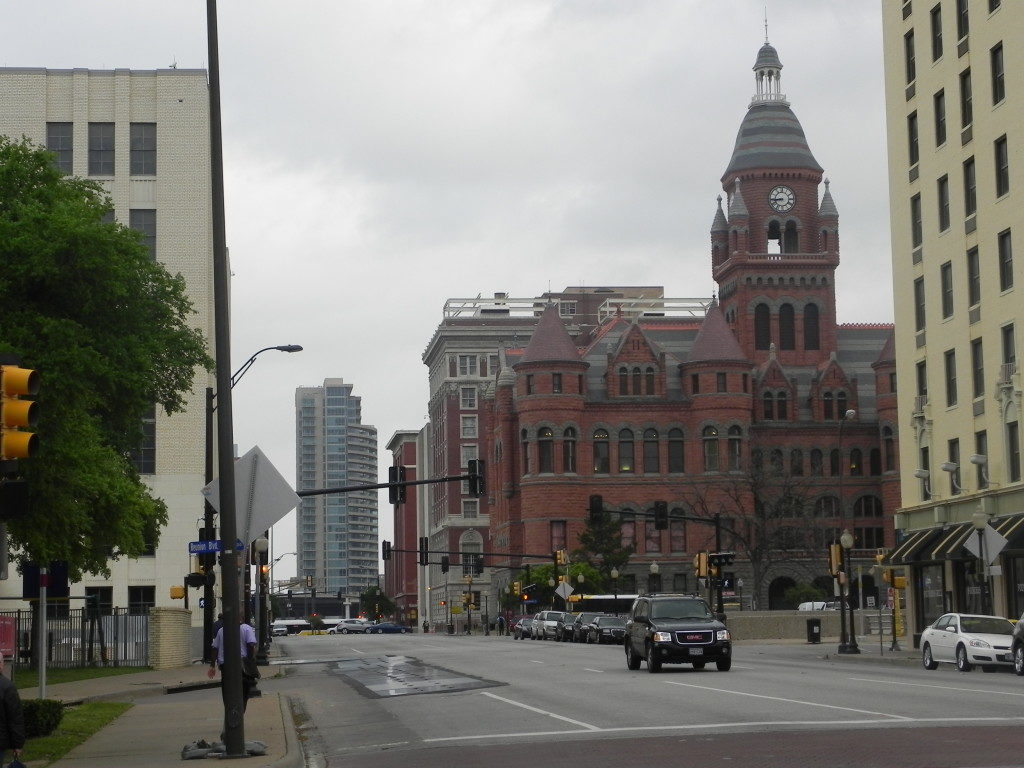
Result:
[
  {"x": 723, "y": 634},
  {"x": 976, "y": 643},
  {"x": 662, "y": 637}
]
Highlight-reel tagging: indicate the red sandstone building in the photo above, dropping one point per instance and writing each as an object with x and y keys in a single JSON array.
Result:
[{"x": 728, "y": 406}]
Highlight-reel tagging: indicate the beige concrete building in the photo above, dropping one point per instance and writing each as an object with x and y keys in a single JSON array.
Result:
[
  {"x": 955, "y": 122},
  {"x": 144, "y": 136}
]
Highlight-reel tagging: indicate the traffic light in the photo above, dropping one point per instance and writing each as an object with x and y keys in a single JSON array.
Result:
[
  {"x": 17, "y": 414},
  {"x": 385, "y": 550},
  {"x": 661, "y": 515},
  {"x": 596, "y": 508},
  {"x": 561, "y": 557},
  {"x": 525, "y": 597},
  {"x": 445, "y": 563},
  {"x": 700, "y": 564},
  {"x": 517, "y": 587},
  {"x": 835, "y": 558},
  {"x": 424, "y": 553},
  {"x": 477, "y": 483},
  {"x": 721, "y": 558},
  {"x": 396, "y": 492},
  {"x": 478, "y": 565},
  {"x": 444, "y": 603}
]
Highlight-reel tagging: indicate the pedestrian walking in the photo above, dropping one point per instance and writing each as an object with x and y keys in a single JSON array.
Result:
[
  {"x": 501, "y": 625},
  {"x": 247, "y": 650},
  {"x": 12, "y": 729}
]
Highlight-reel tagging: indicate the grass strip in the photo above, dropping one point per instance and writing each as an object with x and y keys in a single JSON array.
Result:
[
  {"x": 29, "y": 677},
  {"x": 78, "y": 725}
]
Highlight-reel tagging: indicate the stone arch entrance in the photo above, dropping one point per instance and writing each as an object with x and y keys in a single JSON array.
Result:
[{"x": 776, "y": 593}]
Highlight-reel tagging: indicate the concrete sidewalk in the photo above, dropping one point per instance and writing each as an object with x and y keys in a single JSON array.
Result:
[{"x": 154, "y": 731}]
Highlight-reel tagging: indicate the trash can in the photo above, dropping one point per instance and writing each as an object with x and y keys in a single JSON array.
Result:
[
  {"x": 814, "y": 630},
  {"x": 451, "y": 629}
]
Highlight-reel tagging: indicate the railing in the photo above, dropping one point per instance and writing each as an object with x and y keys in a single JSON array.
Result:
[
  {"x": 920, "y": 401},
  {"x": 119, "y": 638},
  {"x": 1006, "y": 372}
]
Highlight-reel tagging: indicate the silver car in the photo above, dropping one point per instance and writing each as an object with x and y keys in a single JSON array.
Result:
[{"x": 545, "y": 624}]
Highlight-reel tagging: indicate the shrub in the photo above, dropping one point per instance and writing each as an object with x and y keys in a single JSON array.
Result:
[
  {"x": 42, "y": 716},
  {"x": 802, "y": 593}
]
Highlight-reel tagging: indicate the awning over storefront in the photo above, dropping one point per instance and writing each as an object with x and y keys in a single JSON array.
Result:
[
  {"x": 950, "y": 545},
  {"x": 912, "y": 547},
  {"x": 1012, "y": 529}
]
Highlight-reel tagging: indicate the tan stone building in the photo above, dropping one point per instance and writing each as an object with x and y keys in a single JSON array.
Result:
[{"x": 954, "y": 106}]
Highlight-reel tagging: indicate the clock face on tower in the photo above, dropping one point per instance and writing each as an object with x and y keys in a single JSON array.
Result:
[{"x": 781, "y": 199}]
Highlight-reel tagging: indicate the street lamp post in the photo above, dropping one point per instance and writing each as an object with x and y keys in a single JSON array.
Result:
[
  {"x": 980, "y": 521},
  {"x": 209, "y": 530},
  {"x": 653, "y": 584},
  {"x": 848, "y": 639},
  {"x": 262, "y": 546},
  {"x": 615, "y": 586}
]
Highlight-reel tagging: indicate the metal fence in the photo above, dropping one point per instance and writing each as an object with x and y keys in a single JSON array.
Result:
[{"x": 79, "y": 638}]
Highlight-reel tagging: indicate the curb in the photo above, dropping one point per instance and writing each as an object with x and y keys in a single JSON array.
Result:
[{"x": 293, "y": 754}]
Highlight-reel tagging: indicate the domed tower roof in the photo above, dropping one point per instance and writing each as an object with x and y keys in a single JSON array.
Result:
[
  {"x": 550, "y": 341},
  {"x": 770, "y": 136}
]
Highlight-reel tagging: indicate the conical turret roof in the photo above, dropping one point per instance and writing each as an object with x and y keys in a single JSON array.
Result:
[
  {"x": 715, "y": 339},
  {"x": 719, "y": 224},
  {"x": 550, "y": 341}
]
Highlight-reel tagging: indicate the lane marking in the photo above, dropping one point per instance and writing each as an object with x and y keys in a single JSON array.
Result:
[
  {"x": 789, "y": 701},
  {"x": 358, "y": 651},
  {"x": 534, "y": 661},
  {"x": 588, "y": 669},
  {"x": 580, "y": 723},
  {"x": 732, "y": 726},
  {"x": 940, "y": 687}
]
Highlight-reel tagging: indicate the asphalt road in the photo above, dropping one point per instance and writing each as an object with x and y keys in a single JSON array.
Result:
[{"x": 438, "y": 700}]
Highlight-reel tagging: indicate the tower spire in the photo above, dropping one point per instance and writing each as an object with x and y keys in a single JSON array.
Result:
[{"x": 766, "y": 23}]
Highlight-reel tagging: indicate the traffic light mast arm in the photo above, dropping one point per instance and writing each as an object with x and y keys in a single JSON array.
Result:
[{"x": 375, "y": 486}]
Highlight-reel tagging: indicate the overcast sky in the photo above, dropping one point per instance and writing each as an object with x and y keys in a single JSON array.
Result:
[{"x": 383, "y": 156}]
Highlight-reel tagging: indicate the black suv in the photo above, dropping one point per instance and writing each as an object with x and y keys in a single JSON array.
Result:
[{"x": 675, "y": 629}]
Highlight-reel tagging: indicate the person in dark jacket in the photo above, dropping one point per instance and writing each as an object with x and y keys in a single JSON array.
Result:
[{"x": 12, "y": 729}]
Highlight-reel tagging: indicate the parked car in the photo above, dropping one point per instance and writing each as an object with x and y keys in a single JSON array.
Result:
[
  {"x": 1017, "y": 648},
  {"x": 563, "y": 628},
  {"x": 581, "y": 624},
  {"x": 675, "y": 629},
  {"x": 607, "y": 629},
  {"x": 544, "y": 624},
  {"x": 346, "y": 626},
  {"x": 385, "y": 628},
  {"x": 523, "y": 628},
  {"x": 968, "y": 639}
]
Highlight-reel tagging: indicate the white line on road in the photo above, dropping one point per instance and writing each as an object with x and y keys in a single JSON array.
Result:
[
  {"x": 588, "y": 669},
  {"x": 358, "y": 651},
  {"x": 941, "y": 687},
  {"x": 789, "y": 701},
  {"x": 732, "y": 725},
  {"x": 534, "y": 661},
  {"x": 588, "y": 726}
]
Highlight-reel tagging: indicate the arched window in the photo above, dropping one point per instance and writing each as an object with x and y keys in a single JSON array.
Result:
[
  {"x": 652, "y": 536},
  {"x": 627, "y": 527},
  {"x": 787, "y": 327},
  {"x": 781, "y": 406},
  {"x": 829, "y": 411},
  {"x": 875, "y": 462},
  {"x": 569, "y": 450},
  {"x": 769, "y": 406},
  {"x": 796, "y": 462},
  {"x": 627, "y": 458},
  {"x": 867, "y": 506},
  {"x": 812, "y": 336},
  {"x": 856, "y": 462},
  {"x": 890, "y": 449},
  {"x": 545, "y": 450},
  {"x": 637, "y": 382},
  {"x": 601, "y": 462},
  {"x": 652, "y": 459},
  {"x": 676, "y": 457},
  {"x": 762, "y": 327},
  {"x": 833, "y": 462},
  {"x": 774, "y": 237},
  {"x": 817, "y": 460},
  {"x": 757, "y": 460},
  {"x": 735, "y": 449},
  {"x": 775, "y": 457},
  {"x": 623, "y": 381},
  {"x": 471, "y": 544},
  {"x": 841, "y": 406},
  {"x": 710, "y": 440},
  {"x": 649, "y": 382},
  {"x": 526, "y": 451},
  {"x": 826, "y": 506},
  {"x": 791, "y": 242}
]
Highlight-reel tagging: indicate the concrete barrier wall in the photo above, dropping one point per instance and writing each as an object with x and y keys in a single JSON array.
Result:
[
  {"x": 779, "y": 625},
  {"x": 170, "y": 631}
]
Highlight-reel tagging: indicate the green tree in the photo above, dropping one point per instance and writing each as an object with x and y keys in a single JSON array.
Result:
[
  {"x": 601, "y": 546},
  {"x": 376, "y": 604},
  {"x": 108, "y": 328}
]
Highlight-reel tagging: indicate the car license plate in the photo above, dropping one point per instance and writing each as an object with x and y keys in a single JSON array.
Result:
[{"x": 696, "y": 651}]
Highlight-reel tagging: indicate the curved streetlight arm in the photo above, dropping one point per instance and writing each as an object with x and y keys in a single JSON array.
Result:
[{"x": 237, "y": 375}]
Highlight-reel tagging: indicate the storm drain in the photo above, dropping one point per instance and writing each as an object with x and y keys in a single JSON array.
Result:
[{"x": 405, "y": 676}]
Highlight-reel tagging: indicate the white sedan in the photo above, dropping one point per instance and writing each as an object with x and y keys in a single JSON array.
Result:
[{"x": 968, "y": 639}]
